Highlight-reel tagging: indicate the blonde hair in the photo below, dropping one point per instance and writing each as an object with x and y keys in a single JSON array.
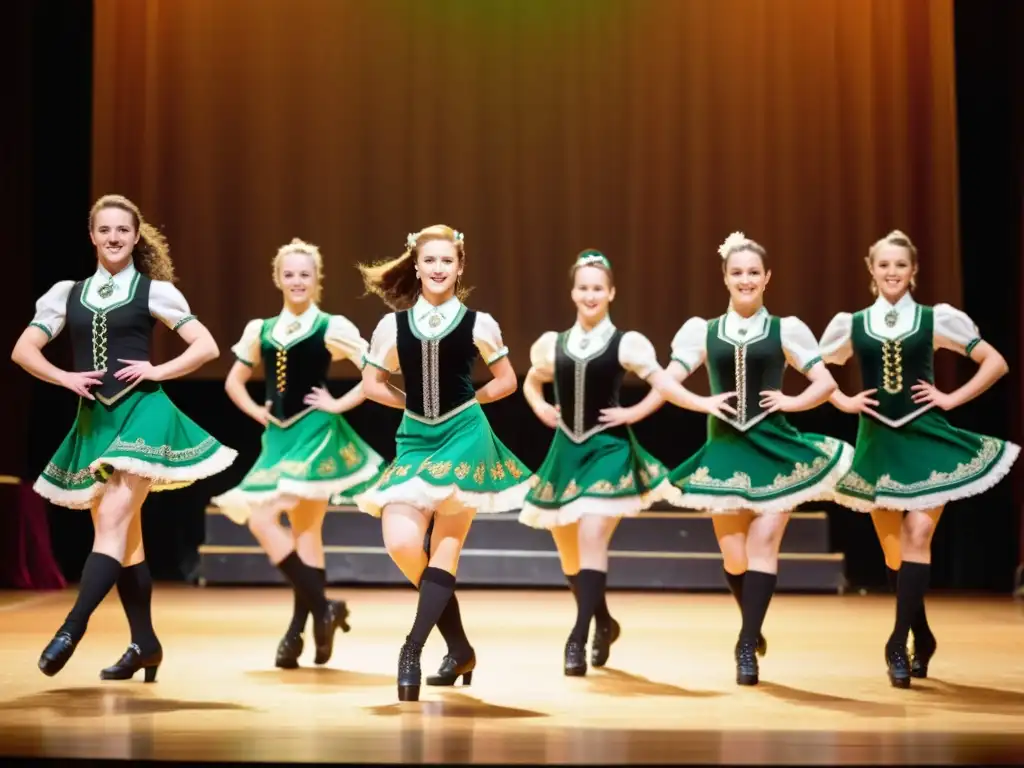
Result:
[
  {"x": 737, "y": 242},
  {"x": 590, "y": 257},
  {"x": 152, "y": 254},
  {"x": 898, "y": 238},
  {"x": 395, "y": 281},
  {"x": 298, "y": 245}
]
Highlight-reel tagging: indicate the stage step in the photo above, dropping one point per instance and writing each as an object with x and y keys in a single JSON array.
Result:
[{"x": 660, "y": 549}]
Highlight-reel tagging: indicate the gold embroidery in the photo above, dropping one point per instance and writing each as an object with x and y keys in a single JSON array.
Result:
[
  {"x": 67, "y": 478},
  {"x": 439, "y": 469},
  {"x": 513, "y": 470},
  {"x": 990, "y": 448},
  {"x": 462, "y": 471},
  {"x": 497, "y": 471},
  {"x": 350, "y": 455},
  {"x": 741, "y": 480},
  {"x": 327, "y": 466},
  {"x": 601, "y": 486},
  {"x": 281, "y": 369},
  {"x": 855, "y": 482},
  {"x": 163, "y": 451},
  {"x": 892, "y": 366},
  {"x": 403, "y": 470},
  {"x": 625, "y": 482},
  {"x": 480, "y": 473},
  {"x": 571, "y": 490},
  {"x": 546, "y": 493},
  {"x": 99, "y": 340}
]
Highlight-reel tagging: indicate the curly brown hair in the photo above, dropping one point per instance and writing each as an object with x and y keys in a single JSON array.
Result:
[
  {"x": 395, "y": 280},
  {"x": 152, "y": 254}
]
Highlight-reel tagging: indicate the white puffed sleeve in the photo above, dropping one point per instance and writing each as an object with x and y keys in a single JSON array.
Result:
[
  {"x": 343, "y": 340},
  {"x": 487, "y": 337},
  {"x": 836, "y": 344},
  {"x": 954, "y": 330},
  {"x": 247, "y": 348},
  {"x": 636, "y": 354},
  {"x": 799, "y": 343},
  {"x": 168, "y": 304},
  {"x": 52, "y": 308},
  {"x": 689, "y": 347},
  {"x": 383, "y": 351},
  {"x": 542, "y": 354}
]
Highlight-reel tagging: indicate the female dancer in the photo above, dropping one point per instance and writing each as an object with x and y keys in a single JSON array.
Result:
[
  {"x": 910, "y": 461},
  {"x": 449, "y": 464},
  {"x": 595, "y": 471},
  {"x": 128, "y": 438},
  {"x": 309, "y": 451},
  {"x": 755, "y": 468}
]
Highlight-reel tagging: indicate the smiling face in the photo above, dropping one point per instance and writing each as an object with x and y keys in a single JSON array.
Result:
[
  {"x": 592, "y": 293},
  {"x": 114, "y": 233},
  {"x": 439, "y": 266},
  {"x": 746, "y": 279},
  {"x": 298, "y": 278},
  {"x": 892, "y": 268}
]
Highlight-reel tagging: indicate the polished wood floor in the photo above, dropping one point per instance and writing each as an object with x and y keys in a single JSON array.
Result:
[{"x": 667, "y": 695}]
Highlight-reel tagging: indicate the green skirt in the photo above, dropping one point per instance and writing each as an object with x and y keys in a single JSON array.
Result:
[
  {"x": 440, "y": 466},
  {"x": 607, "y": 474},
  {"x": 923, "y": 464},
  {"x": 142, "y": 434},
  {"x": 315, "y": 457},
  {"x": 770, "y": 468}
]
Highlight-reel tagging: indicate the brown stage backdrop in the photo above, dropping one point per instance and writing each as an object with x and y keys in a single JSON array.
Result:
[{"x": 649, "y": 129}]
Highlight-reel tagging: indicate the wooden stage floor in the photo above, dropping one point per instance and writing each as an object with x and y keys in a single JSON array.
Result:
[{"x": 667, "y": 696}]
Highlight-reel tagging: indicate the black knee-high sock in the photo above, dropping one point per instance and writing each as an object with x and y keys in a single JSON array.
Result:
[
  {"x": 449, "y": 624},
  {"x": 436, "y": 589},
  {"x": 135, "y": 588},
  {"x": 590, "y": 590},
  {"x": 573, "y": 581},
  {"x": 300, "y": 611},
  {"x": 99, "y": 575},
  {"x": 758, "y": 588},
  {"x": 735, "y": 582},
  {"x": 919, "y": 626},
  {"x": 601, "y": 613},
  {"x": 910, "y": 592},
  {"x": 306, "y": 582}
]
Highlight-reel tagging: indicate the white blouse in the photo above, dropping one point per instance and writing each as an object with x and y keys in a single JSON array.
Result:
[
  {"x": 636, "y": 353},
  {"x": 342, "y": 338},
  {"x": 383, "y": 351},
  {"x": 166, "y": 303},
  {"x": 952, "y": 329},
  {"x": 689, "y": 347}
]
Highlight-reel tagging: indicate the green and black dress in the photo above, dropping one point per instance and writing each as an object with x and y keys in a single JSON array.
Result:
[
  {"x": 306, "y": 453},
  {"x": 134, "y": 428},
  {"x": 756, "y": 460},
  {"x": 910, "y": 457},
  {"x": 592, "y": 469},
  {"x": 445, "y": 448}
]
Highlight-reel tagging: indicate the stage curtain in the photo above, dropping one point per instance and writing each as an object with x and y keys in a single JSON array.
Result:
[{"x": 649, "y": 129}]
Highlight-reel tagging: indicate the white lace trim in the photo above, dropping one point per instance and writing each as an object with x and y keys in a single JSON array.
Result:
[
  {"x": 823, "y": 490},
  {"x": 164, "y": 478},
  {"x": 237, "y": 503},
  {"x": 418, "y": 493},
  {"x": 622, "y": 506},
  {"x": 996, "y": 473}
]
